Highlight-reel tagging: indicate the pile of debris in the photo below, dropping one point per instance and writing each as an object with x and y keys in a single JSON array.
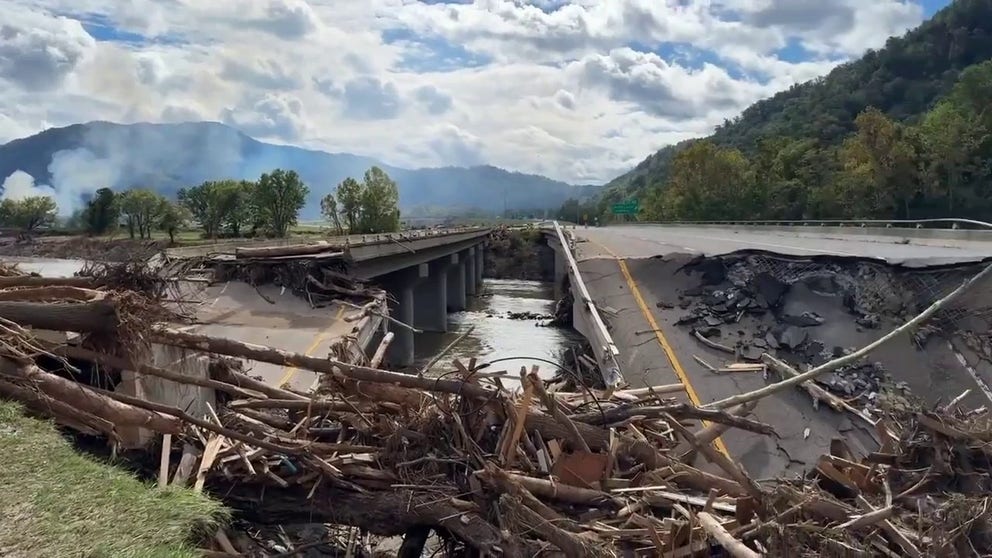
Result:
[
  {"x": 809, "y": 310},
  {"x": 489, "y": 467}
]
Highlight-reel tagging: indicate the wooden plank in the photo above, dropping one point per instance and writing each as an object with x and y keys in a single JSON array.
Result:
[
  {"x": 209, "y": 455},
  {"x": 163, "y": 465}
]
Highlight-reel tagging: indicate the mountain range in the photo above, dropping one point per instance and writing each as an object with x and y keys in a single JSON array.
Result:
[{"x": 78, "y": 159}]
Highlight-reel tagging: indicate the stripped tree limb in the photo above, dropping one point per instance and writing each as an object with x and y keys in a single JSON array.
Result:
[
  {"x": 680, "y": 410},
  {"x": 380, "y": 352},
  {"x": 853, "y": 357},
  {"x": 89, "y": 400},
  {"x": 230, "y": 347},
  {"x": 111, "y": 361},
  {"x": 552, "y": 404},
  {"x": 35, "y": 281},
  {"x": 736, "y": 548}
]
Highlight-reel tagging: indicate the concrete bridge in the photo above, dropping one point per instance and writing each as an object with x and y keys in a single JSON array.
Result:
[{"x": 427, "y": 274}]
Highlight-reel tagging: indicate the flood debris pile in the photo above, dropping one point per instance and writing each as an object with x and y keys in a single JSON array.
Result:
[
  {"x": 749, "y": 304},
  {"x": 487, "y": 466},
  {"x": 316, "y": 272}
]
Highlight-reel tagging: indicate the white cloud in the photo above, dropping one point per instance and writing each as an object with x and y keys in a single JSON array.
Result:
[
  {"x": 579, "y": 90},
  {"x": 268, "y": 116},
  {"x": 37, "y": 50},
  {"x": 369, "y": 98}
]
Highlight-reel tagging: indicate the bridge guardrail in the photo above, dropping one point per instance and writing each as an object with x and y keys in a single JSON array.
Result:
[
  {"x": 952, "y": 223},
  {"x": 603, "y": 346}
]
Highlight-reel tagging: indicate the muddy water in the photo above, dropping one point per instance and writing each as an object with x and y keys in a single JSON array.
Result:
[
  {"x": 498, "y": 337},
  {"x": 47, "y": 267}
]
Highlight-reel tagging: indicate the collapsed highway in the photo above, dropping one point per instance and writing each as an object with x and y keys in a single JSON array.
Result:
[{"x": 684, "y": 302}]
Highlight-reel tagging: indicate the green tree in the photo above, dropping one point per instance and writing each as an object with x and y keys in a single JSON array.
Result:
[
  {"x": 142, "y": 210},
  {"x": 349, "y": 198},
  {"x": 881, "y": 165},
  {"x": 216, "y": 203},
  {"x": 102, "y": 211},
  {"x": 279, "y": 197},
  {"x": 173, "y": 218},
  {"x": 706, "y": 182},
  {"x": 951, "y": 141},
  {"x": 239, "y": 201},
  {"x": 28, "y": 213},
  {"x": 329, "y": 208},
  {"x": 380, "y": 202}
]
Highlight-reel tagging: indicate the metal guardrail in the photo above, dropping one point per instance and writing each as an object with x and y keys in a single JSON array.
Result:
[
  {"x": 607, "y": 349},
  {"x": 887, "y": 223}
]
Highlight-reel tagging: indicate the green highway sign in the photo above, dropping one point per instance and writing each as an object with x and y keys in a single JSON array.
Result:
[{"x": 628, "y": 207}]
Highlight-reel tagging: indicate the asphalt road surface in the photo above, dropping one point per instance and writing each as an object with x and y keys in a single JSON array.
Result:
[
  {"x": 651, "y": 240},
  {"x": 635, "y": 292},
  {"x": 274, "y": 317}
]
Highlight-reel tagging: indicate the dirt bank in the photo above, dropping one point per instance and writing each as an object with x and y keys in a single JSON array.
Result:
[
  {"x": 82, "y": 248},
  {"x": 518, "y": 254}
]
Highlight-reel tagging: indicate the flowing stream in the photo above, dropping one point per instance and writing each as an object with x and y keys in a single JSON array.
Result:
[{"x": 497, "y": 337}]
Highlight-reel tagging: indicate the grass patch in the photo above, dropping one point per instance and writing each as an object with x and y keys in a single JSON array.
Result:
[{"x": 57, "y": 502}]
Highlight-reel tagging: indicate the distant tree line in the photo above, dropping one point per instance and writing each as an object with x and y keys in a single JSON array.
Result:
[{"x": 269, "y": 206}]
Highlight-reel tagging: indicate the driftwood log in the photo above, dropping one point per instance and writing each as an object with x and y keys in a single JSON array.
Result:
[
  {"x": 230, "y": 347},
  {"x": 35, "y": 281},
  {"x": 99, "y": 316},
  {"x": 387, "y": 513},
  {"x": 87, "y": 399},
  {"x": 290, "y": 250}
]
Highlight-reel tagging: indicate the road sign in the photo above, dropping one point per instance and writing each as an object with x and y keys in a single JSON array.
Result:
[{"x": 628, "y": 207}]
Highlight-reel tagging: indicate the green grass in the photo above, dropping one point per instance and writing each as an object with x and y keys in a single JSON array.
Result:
[{"x": 57, "y": 502}]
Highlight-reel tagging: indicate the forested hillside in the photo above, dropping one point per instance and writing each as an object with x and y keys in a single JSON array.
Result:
[{"x": 902, "y": 132}]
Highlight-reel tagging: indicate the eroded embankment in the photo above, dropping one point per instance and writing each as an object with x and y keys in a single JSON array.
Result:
[
  {"x": 519, "y": 254},
  {"x": 811, "y": 310}
]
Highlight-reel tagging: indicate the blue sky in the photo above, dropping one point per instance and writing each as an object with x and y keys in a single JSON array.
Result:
[{"x": 577, "y": 90}]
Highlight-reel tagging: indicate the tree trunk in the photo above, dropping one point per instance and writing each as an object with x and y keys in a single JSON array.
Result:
[
  {"x": 111, "y": 361},
  {"x": 34, "y": 281},
  {"x": 294, "y": 250},
  {"x": 272, "y": 355},
  {"x": 87, "y": 400},
  {"x": 62, "y": 413},
  {"x": 387, "y": 513},
  {"x": 99, "y": 316}
]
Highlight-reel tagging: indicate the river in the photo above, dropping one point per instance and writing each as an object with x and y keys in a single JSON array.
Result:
[{"x": 497, "y": 337}]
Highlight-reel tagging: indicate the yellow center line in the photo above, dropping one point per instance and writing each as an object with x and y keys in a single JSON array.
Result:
[
  {"x": 662, "y": 340},
  {"x": 290, "y": 371}
]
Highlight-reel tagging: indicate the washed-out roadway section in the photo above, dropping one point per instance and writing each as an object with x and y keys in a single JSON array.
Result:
[{"x": 629, "y": 270}]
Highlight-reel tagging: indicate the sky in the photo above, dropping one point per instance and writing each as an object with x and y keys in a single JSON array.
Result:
[{"x": 579, "y": 91}]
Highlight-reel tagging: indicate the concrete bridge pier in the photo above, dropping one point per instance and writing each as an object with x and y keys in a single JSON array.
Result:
[
  {"x": 430, "y": 307},
  {"x": 402, "y": 285},
  {"x": 471, "y": 278},
  {"x": 456, "y": 283},
  {"x": 480, "y": 263}
]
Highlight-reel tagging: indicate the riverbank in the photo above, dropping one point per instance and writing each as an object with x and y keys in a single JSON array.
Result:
[
  {"x": 55, "y": 501},
  {"x": 519, "y": 254}
]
